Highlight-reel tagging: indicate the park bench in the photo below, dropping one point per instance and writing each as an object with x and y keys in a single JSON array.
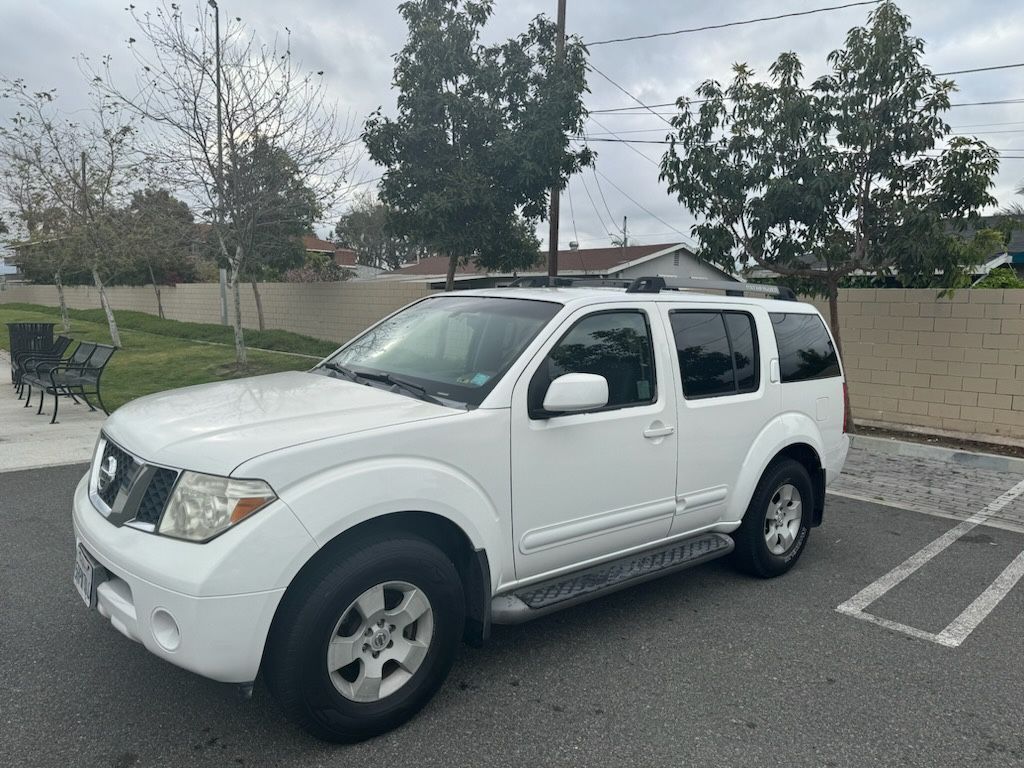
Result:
[
  {"x": 72, "y": 380},
  {"x": 39, "y": 365},
  {"x": 26, "y": 361}
]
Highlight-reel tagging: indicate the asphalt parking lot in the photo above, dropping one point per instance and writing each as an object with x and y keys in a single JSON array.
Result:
[{"x": 701, "y": 668}]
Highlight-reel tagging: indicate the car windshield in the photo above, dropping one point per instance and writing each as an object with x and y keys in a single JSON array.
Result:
[{"x": 455, "y": 348}]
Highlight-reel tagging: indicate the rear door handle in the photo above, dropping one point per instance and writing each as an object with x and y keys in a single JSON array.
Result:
[{"x": 653, "y": 432}]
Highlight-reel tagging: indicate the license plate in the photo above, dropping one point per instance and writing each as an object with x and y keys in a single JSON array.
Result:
[{"x": 85, "y": 568}]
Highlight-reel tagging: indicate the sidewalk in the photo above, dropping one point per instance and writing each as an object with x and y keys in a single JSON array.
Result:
[
  {"x": 28, "y": 441},
  {"x": 936, "y": 481}
]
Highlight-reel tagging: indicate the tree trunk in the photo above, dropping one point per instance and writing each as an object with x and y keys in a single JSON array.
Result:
[
  {"x": 115, "y": 337},
  {"x": 156, "y": 290},
  {"x": 449, "y": 283},
  {"x": 833, "y": 321},
  {"x": 259, "y": 305},
  {"x": 63, "y": 304},
  {"x": 236, "y": 319}
]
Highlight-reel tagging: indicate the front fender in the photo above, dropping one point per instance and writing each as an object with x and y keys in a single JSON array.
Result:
[
  {"x": 781, "y": 432},
  {"x": 334, "y": 501}
]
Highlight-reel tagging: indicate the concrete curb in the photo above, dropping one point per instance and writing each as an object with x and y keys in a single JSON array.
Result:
[{"x": 892, "y": 447}]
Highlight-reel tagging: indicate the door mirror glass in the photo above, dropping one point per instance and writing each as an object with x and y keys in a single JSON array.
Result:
[{"x": 575, "y": 392}]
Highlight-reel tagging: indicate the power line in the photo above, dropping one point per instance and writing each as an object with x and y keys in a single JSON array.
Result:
[
  {"x": 642, "y": 208},
  {"x": 730, "y": 24},
  {"x": 593, "y": 204},
  {"x": 650, "y": 160},
  {"x": 603, "y": 200},
  {"x": 634, "y": 98},
  {"x": 980, "y": 69},
  {"x": 572, "y": 213}
]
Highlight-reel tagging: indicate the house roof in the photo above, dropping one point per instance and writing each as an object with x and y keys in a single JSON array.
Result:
[
  {"x": 314, "y": 243},
  {"x": 582, "y": 261}
]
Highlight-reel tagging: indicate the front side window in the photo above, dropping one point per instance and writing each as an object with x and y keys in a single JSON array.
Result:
[
  {"x": 615, "y": 345},
  {"x": 805, "y": 349},
  {"x": 717, "y": 352},
  {"x": 455, "y": 348}
]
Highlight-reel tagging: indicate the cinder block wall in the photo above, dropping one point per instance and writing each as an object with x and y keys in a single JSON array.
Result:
[
  {"x": 953, "y": 364},
  {"x": 332, "y": 311},
  {"x": 913, "y": 360}
]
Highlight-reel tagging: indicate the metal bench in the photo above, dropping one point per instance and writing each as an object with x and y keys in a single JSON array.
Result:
[
  {"x": 26, "y": 361},
  {"x": 73, "y": 380},
  {"x": 37, "y": 371}
]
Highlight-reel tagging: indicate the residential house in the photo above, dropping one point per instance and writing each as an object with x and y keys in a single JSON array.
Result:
[
  {"x": 665, "y": 259},
  {"x": 343, "y": 257}
]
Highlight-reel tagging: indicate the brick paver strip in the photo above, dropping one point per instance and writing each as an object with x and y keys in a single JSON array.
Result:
[{"x": 928, "y": 485}]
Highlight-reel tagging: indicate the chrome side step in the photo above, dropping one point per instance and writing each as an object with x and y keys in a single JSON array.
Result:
[{"x": 571, "y": 589}]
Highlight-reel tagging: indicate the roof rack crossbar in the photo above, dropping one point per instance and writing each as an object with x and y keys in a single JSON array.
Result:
[
  {"x": 731, "y": 288},
  {"x": 587, "y": 281}
]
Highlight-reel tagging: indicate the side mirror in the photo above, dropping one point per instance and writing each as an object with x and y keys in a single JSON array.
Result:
[{"x": 576, "y": 392}]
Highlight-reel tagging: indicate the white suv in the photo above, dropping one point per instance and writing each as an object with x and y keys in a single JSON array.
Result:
[{"x": 484, "y": 456}]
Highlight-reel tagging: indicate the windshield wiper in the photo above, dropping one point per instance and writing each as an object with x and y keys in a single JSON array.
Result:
[
  {"x": 414, "y": 389},
  {"x": 348, "y": 373}
]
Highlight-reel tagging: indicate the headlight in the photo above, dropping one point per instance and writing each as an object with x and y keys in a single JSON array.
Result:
[{"x": 203, "y": 506}]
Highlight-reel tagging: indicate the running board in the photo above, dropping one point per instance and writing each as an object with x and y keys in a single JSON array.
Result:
[{"x": 563, "y": 591}]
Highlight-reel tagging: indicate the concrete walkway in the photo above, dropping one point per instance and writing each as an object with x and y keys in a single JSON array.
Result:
[{"x": 28, "y": 441}]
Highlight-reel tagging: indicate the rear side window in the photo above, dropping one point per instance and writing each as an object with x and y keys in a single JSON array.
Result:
[
  {"x": 805, "y": 349},
  {"x": 717, "y": 352}
]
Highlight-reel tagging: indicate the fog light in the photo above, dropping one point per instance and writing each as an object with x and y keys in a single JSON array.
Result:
[{"x": 165, "y": 630}]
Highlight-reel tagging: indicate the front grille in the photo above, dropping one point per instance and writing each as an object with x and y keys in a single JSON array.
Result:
[
  {"x": 117, "y": 471},
  {"x": 129, "y": 491},
  {"x": 155, "y": 498}
]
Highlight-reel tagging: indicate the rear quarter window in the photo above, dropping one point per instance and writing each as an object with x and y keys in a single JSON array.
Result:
[{"x": 805, "y": 348}]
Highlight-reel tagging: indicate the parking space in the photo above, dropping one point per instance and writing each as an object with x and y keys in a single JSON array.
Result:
[{"x": 704, "y": 668}]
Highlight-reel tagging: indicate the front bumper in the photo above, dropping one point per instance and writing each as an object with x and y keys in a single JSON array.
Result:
[{"x": 204, "y": 607}]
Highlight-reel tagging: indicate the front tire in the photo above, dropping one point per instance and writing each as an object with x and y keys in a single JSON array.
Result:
[
  {"x": 777, "y": 523},
  {"x": 366, "y": 639}
]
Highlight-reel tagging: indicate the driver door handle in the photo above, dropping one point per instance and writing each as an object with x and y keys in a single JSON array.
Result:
[{"x": 653, "y": 432}]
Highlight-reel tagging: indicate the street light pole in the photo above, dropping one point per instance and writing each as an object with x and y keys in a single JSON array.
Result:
[
  {"x": 220, "y": 158},
  {"x": 556, "y": 189}
]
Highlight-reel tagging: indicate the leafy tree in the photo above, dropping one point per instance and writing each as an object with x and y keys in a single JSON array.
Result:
[
  {"x": 366, "y": 230},
  {"x": 846, "y": 175},
  {"x": 159, "y": 231},
  {"x": 274, "y": 208},
  {"x": 481, "y": 134}
]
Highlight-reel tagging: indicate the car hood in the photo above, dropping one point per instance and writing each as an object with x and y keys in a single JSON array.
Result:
[{"x": 216, "y": 427}]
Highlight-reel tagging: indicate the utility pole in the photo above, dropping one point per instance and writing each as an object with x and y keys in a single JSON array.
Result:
[
  {"x": 625, "y": 233},
  {"x": 556, "y": 189},
  {"x": 220, "y": 160}
]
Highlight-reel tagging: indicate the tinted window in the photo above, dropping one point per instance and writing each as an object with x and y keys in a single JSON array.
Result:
[
  {"x": 744, "y": 349},
  {"x": 704, "y": 356},
  {"x": 805, "y": 349},
  {"x": 616, "y": 345}
]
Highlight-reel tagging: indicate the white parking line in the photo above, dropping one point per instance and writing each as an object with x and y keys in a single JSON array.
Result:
[{"x": 962, "y": 626}]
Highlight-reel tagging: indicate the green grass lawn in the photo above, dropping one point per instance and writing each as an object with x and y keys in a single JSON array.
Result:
[{"x": 155, "y": 358}]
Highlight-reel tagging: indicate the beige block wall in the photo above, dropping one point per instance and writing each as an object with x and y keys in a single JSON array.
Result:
[
  {"x": 953, "y": 364},
  {"x": 332, "y": 311},
  {"x": 913, "y": 359}
]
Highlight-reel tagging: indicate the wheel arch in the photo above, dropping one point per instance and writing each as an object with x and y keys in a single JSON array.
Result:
[
  {"x": 790, "y": 435},
  {"x": 471, "y": 563}
]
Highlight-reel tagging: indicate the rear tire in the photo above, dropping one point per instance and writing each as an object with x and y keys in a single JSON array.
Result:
[
  {"x": 777, "y": 523},
  {"x": 364, "y": 640}
]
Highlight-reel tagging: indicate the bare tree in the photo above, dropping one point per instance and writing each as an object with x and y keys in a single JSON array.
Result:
[
  {"x": 261, "y": 96},
  {"x": 75, "y": 172}
]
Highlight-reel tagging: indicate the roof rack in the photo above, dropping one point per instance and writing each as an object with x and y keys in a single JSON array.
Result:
[
  {"x": 592, "y": 281},
  {"x": 731, "y": 288}
]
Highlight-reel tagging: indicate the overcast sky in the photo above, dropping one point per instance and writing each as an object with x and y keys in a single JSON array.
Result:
[{"x": 353, "y": 42}]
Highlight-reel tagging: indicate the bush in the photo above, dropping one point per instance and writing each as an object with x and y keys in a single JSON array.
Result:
[{"x": 1001, "y": 277}]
